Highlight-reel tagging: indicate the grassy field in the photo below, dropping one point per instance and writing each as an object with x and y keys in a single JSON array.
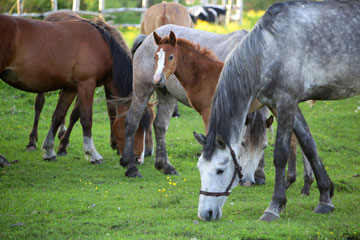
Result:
[{"x": 72, "y": 199}]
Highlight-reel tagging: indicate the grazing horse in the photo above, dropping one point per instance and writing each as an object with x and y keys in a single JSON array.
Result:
[
  {"x": 297, "y": 51},
  {"x": 198, "y": 71},
  {"x": 33, "y": 59},
  {"x": 165, "y": 13}
]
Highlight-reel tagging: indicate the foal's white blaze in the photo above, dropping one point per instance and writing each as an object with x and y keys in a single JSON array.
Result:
[
  {"x": 160, "y": 65},
  {"x": 215, "y": 176}
]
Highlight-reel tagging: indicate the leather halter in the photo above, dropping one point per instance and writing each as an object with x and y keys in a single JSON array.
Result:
[{"x": 237, "y": 171}]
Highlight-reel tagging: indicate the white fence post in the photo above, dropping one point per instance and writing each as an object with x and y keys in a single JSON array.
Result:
[
  {"x": 54, "y": 5},
  {"x": 144, "y": 3},
  {"x": 76, "y": 5},
  {"x": 20, "y": 5},
  {"x": 239, "y": 9},
  {"x": 228, "y": 12},
  {"x": 101, "y": 8}
]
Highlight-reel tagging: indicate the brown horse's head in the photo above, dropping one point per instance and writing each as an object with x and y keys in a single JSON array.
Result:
[{"x": 165, "y": 58}]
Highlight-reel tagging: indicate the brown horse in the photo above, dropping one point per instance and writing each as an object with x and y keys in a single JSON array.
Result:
[
  {"x": 198, "y": 70},
  {"x": 165, "y": 13},
  {"x": 75, "y": 56}
]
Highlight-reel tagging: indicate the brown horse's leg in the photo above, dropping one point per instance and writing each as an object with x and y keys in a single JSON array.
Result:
[
  {"x": 86, "y": 91},
  {"x": 62, "y": 129},
  {"x": 39, "y": 103},
  {"x": 64, "y": 142},
  {"x": 111, "y": 113},
  {"x": 64, "y": 102},
  {"x": 149, "y": 143},
  {"x": 308, "y": 176},
  {"x": 291, "y": 173}
]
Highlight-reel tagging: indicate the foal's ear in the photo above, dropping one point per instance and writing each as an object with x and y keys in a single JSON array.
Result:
[
  {"x": 220, "y": 143},
  {"x": 157, "y": 38},
  {"x": 172, "y": 38},
  {"x": 200, "y": 138},
  {"x": 269, "y": 121}
]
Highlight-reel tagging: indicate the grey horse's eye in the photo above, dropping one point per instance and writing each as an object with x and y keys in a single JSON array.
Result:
[
  {"x": 219, "y": 171},
  {"x": 243, "y": 144}
]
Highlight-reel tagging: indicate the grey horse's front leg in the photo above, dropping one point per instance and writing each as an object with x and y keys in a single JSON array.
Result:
[
  {"x": 323, "y": 181},
  {"x": 286, "y": 114},
  {"x": 165, "y": 109},
  {"x": 133, "y": 117}
]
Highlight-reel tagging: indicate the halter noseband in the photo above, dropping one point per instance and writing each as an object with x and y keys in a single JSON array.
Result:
[{"x": 237, "y": 171}]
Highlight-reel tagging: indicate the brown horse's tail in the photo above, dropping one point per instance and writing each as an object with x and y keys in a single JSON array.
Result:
[
  {"x": 122, "y": 74},
  {"x": 163, "y": 19}
]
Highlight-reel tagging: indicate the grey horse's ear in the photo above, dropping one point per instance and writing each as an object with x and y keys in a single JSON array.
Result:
[
  {"x": 200, "y": 138},
  {"x": 269, "y": 121},
  {"x": 172, "y": 38},
  {"x": 157, "y": 38},
  {"x": 220, "y": 143}
]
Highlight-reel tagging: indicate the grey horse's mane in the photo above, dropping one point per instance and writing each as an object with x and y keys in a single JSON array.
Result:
[{"x": 237, "y": 85}]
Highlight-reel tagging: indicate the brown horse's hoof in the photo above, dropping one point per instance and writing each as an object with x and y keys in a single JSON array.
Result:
[
  {"x": 133, "y": 172},
  {"x": 31, "y": 148},
  {"x": 324, "y": 208},
  {"x": 268, "y": 217},
  {"x": 97, "y": 162},
  {"x": 61, "y": 153}
]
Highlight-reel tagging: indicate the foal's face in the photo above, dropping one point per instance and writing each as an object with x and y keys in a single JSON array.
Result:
[{"x": 165, "y": 58}]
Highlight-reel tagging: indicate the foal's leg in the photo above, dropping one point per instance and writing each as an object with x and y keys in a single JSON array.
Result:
[
  {"x": 64, "y": 142},
  {"x": 165, "y": 109},
  {"x": 286, "y": 113},
  {"x": 64, "y": 102},
  {"x": 85, "y": 90},
  {"x": 308, "y": 176},
  {"x": 39, "y": 103},
  {"x": 308, "y": 146}
]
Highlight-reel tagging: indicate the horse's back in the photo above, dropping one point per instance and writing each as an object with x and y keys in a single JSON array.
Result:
[{"x": 317, "y": 44}]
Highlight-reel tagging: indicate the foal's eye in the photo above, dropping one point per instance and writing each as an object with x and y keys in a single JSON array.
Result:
[
  {"x": 171, "y": 57},
  {"x": 219, "y": 171}
]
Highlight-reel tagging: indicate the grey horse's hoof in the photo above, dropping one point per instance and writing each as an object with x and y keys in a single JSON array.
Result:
[
  {"x": 170, "y": 170},
  {"x": 123, "y": 163},
  {"x": 51, "y": 159},
  {"x": 268, "y": 217},
  {"x": 3, "y": 161},
  {"x": 133, "y": 172},
  {"x": 97, "y": 162},
  {"x": 324, "y": 208}
]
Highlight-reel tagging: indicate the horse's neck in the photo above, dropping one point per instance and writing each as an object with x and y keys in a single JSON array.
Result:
[{"x": 193, "y": 68}]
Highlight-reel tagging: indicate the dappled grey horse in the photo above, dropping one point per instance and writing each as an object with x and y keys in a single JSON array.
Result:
[
  {"x": 144, "y": 65},
  {"x": 298, "y": 51}
]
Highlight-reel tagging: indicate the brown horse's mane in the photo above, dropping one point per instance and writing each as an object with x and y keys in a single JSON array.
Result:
[
  {"x": 113, "y": 32},
  {"x": 189, "y": 45}
]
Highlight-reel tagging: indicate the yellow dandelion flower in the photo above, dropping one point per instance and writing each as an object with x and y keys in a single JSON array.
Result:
[
  {"x": 166, "y": 195},
  {"x": 185, "y": 180},
  {"x": 159, "y": 190},
  {"x": 96, "y": 188},
  {"x": 170, "y": 183},
  {"x": 106, "y": 192},
  {"x": 174, "y": 184},
  {"x": 167, "y": 178}
]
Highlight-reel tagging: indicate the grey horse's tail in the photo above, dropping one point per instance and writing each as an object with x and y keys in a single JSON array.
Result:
[{"x": 137, "y": 42}]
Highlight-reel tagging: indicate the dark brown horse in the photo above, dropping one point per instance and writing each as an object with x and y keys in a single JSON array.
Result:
[{"x": 34, "y": 59}]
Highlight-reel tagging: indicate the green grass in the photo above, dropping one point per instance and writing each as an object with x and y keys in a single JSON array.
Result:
[{"x": 72, "y": 199}]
